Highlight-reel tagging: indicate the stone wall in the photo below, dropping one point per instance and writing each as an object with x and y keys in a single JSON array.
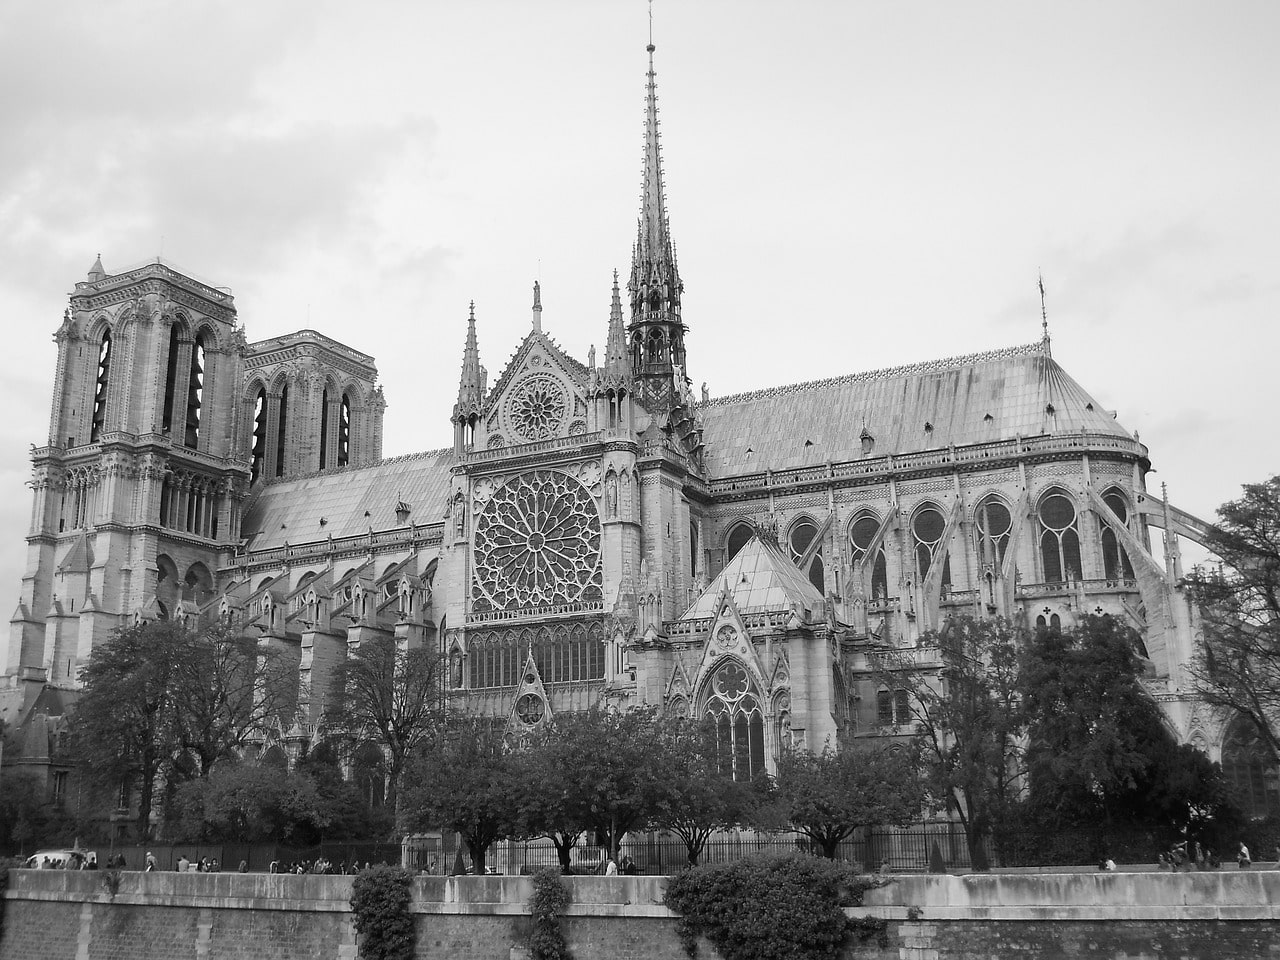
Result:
[{"x": 55, "y": 915}]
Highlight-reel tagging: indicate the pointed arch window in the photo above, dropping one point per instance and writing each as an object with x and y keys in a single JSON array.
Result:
[
  {"x": 195, "y": 393},
  {"x": 171, "y": 379},
  {"x": 927, "y": 528},
  {"x": 259, "y": 435},
  {"x": 324, "y": 429},
  {"x": 344, "y": 431},
  {"x": 738, "y": 538},
  {"x": 100, "y": 388},
  {"x": 799, "y": 540},
  {"x": 994, "y": 525},
  {"x": 1059, "y": 538},
  {"x": 282, "y": 430},
  {"x": 693, "y": 548},
  {"x": 734, "y": 708},
  {"x": 862, "y": 533},
  {"x": 1115, "y": 561}
]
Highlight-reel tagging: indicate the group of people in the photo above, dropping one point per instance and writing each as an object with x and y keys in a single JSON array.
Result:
[
  {"x": 203, "y": 865},
  {"x": 627, "y": 867},
  {"x": 321, "y": 865},
  {"x": 1182, "y": 856}
]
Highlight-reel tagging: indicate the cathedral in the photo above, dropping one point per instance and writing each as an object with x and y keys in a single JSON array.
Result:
[{"x": 598, "y": 533}]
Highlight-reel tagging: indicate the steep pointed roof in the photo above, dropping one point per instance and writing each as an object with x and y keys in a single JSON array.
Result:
[
  {"x": 759, "y": 578},
  {"x": 655, "y": 282},
  {"x": 471, "y": 384},
  {"x": 96, "y": 272},
  {"x": 79, "y": 558}
]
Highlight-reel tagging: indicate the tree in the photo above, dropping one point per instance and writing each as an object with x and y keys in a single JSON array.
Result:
[
  {"x": 968, "y": 720},
  {"x": 125, "y": 726},
  {"x": 829, "y": 795},
  {"x": 463, "y": 780},
  {"x": 697, "y": 797},
  {"x": 226, "y": 689},
  {"x": 248, "y": 803},
  {"x": 1238, "y": 666},
  {"x": 1093, "y": 730},
  {"x": 391, "y": 697}
]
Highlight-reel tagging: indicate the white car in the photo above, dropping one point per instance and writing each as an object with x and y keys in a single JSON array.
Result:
[{"x": 58, "y": 860}]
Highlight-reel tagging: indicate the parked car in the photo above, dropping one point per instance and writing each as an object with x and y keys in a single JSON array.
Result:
[{"x": 58, "y": 859}]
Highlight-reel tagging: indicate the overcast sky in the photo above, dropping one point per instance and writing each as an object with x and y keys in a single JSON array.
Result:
[{"x": 851, "y": 185}]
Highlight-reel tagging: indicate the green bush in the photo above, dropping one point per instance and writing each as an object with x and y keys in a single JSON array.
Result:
[
  {"x": 546, "y": 906},
  {"x": 771, "y": 907},
  {"x": 6, "y": 864},
  {"x": 380, "y": 900}
]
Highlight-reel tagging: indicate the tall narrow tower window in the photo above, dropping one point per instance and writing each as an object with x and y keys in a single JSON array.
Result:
[
  {"x": 170, "y": 380},
  {"x": 259, "y": 435},
  {"x": 195, "y": 393},
  {"x": 324, "y": 429},
  {"x": 282, "y": 430},
  {"x": 344, "y": 432},
  {"x": 100, "y": 388}
]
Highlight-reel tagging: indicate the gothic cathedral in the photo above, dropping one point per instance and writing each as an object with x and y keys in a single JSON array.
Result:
[{"x": 597, "y": 533}]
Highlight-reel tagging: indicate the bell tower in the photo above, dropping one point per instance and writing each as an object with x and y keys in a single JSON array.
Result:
[
  {"x": 138, "y": 486},
  {"x": 655, "y": 331}
]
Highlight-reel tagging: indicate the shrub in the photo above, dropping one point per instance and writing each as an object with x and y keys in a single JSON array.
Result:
[
  {"x": 546, "y": 906},
  {"x": 380, "y": 900},
  {"x": 771, "y": 907}
]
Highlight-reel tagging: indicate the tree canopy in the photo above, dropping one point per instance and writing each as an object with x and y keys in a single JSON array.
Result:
[{"x": 1238, "y": 667}]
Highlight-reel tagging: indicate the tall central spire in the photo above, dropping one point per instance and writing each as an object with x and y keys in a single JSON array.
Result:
[
  {"x": 655, "y": 285},
  {"x": 656, "y": 331}
]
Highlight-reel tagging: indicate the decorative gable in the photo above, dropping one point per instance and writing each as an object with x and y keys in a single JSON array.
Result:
[{"x": 540, "y": 396}]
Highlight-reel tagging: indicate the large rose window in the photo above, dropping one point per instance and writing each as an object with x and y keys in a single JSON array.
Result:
[
  {"x": 537, "y": 407},
  {"x": 537, "y": 545}
]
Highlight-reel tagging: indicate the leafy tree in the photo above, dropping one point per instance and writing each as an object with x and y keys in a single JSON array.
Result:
[
  {"x": 463, "y": 780},
  {"x": 226, "y": 688},
  {"x": 829, "y": 795},
  {"x": 697, "y": 797},
  {"x": 125, "y": 726},
  {"x": 544, "y": 802},
  {"x": 968, "y": 720},
  {"x": 1093, "y": 730},
  {"x": 1238, "y": 667},
  {"x": 391, "y": 697},
  {"x": 248, "y": 803}
]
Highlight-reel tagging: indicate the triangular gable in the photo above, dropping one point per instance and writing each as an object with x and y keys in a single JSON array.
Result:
[
  {"x": 678, "y": 684},
  {"x": 79, "y": 558},
  {"x": 523, "y": 711},
  {"x": 728, "y": 638},
  {"x": 538, "y": 355}
]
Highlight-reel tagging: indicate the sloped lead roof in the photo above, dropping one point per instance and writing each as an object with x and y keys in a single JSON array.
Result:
[
  {"x": 290, "y": 510},
  {"x": 760, "y": 578},
  {"x": 973, "y": 399}
]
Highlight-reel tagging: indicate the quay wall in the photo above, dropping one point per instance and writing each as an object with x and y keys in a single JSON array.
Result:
[{"x": 58, "y": 915}]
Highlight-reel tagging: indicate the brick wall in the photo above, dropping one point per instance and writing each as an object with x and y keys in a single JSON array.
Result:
[{"x": 53, "y": 915}]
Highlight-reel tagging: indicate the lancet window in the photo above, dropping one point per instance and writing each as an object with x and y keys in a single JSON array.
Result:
[
  {"x": 282, "y": 430},
  {"x": 195, "y": 393},
  {"x": 562, "y": 652},
  {"x": 1059, "y": 538},
  {"x": 324, "y": 428},
  {"x": 862, "y": 533},
  {"x": 1250, "y": 766},
  {"x": 344, "y": 431},
  {"x": 738, "y": 538},
  {"x": 927, "y": 528},
  {"x": 259, "y": 436},
  {"x": 100, "y": 388},
  {"x": 800, "y": 539},
  {"x": 734, "y": 707},
  {"x": 994, "y": 524},
  {"x": 1115, "y": 561}
]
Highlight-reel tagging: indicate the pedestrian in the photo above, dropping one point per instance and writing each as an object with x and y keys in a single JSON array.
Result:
[
  {"x": 244, "y": 866},
  {"x": 275, "y": 867},
  {"x": 214, "y": 866},
  {"x": 611, "y": 868},
  {"x": 183, "y": 864},
  {"x": 1242, "y": 857},
  {"x": 151, "y": 862}
]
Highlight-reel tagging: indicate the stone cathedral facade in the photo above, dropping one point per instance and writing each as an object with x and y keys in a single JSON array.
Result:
[{"x": 598, "y": 532}]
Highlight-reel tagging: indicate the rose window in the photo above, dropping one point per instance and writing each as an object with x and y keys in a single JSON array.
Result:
[
  {"x": 538, "y": 407},
  {"x": 731, "y": 681},
  {"x": 530, "y": 709},
  {"x": 537, "y": 545}
]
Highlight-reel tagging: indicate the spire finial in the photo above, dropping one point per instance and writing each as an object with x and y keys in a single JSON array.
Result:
[
  {"x": 537, "y": 306},
  {"x": 650, "y": 48},
  {"x": 1044, "y": 317}
]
